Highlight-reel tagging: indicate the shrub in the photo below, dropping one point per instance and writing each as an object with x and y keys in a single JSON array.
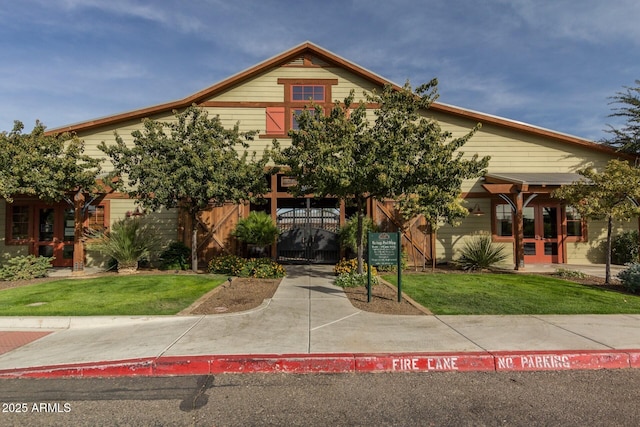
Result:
[
  {"x": 256, "y": 229},
  {"x": 479, "y": 253},
  {"x": 25, "y": 268},
  {"x": 261, "y": 268},
  {"x": 352, "y": 280},
  {"x": 346, "y": 266},
  {"x": 392, "y": 268},
  {"x": 569, "y": 274},
  {"x": 128, "y": 242},
  {"x": 624, "y": 248},
  {"x": 177, "y": 256},
  {"x": 227, "y": 264},
  {"x": 630, "y": 277}
]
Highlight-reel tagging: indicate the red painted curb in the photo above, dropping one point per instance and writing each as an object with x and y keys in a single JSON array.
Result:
[
  {"x": 117, "y": 368},
  {"x": 634, "y": 358},
  {"x": 561, "y": 360},
  {"x": 339, "y": 362},
  {"x": 294, "y": 363},
  {"x": 443, "y": 362}
]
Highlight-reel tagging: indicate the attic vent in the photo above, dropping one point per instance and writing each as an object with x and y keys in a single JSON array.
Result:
[
  {"x": 297, "y": 61},
  {"x": 308, "y": 60},
  {"x": 318, "y": 61}
]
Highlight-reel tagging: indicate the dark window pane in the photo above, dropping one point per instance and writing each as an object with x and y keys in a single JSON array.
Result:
[
  {"x": 46, "y": 224},
  {"x": 46, "y": 251},
  {"x": 574, "y": 228},
  {"x": 528, "y": 222},
  {"x": 67, "y": 252},
  {"x": 20, "y": 222},
  {"x": 305, "y": 93},
  {"x": 550, "y": 222},
  {"x": 574, "y": 222},
  {"x": 529, "y": 248},
  {"x": 504, "y": 220},
  {"x": 69, "y": 225},
  {"x": 550, "y": 248}
]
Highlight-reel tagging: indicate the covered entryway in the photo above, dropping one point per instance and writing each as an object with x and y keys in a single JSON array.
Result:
[
  {"x": 308, "y": 230},
  {"x": 537, "y": 218}
]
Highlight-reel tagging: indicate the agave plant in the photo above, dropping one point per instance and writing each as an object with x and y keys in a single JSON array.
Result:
[
  {"x": 128, "y": 242},
  {"x": 479, "y": 253}
]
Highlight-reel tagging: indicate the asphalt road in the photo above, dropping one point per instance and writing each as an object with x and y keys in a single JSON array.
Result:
[{"x": 569, "y": 398}]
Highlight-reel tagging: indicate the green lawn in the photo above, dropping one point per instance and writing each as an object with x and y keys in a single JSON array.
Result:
[
  {"x": 110, "y": 295},
  {"x": 486, "y": 293}
]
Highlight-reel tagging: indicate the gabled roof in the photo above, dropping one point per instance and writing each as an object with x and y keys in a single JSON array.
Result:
[{"x": 333, "y": 59}]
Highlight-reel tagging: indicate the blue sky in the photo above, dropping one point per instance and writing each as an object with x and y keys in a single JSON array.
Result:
[{"x": 549, "y": 63}]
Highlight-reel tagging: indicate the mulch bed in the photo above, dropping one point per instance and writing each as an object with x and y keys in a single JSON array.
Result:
[
  {"x": 239, "y": 295},
  {"x": 384, "y": 300}
]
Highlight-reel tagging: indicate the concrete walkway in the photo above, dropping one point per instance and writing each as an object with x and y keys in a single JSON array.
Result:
[{"x": 310, "y": 326}]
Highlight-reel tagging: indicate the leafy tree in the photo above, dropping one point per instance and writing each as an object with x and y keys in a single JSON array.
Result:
[
  {"x": 627, "y": 137},
  {"x": 343, "y": 155},
  {"x": 49, "y": 167},
  {"x": 192, "y": 163},
  {"x": 612, "y": 194},
  {"x": 437, "y": 193},
  {"x": 347, "y": 234}
]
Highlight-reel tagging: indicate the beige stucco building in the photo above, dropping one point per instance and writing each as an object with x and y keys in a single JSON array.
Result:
[{"x": 526, "y": 164}]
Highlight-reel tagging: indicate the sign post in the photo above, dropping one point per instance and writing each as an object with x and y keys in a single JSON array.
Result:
[{"x": 384, "y": 249}]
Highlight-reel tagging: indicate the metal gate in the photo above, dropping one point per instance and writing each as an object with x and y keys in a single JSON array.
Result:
[{"x": 308, "y": 234}]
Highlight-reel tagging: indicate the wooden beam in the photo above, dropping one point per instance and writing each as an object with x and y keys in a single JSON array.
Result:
[{"x": 500, "y": 188}]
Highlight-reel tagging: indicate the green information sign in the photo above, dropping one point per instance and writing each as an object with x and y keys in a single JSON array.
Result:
[{"x": 384, "y": 249}]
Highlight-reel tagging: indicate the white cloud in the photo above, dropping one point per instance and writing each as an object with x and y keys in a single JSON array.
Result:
[{"x": 594, "y": 21}]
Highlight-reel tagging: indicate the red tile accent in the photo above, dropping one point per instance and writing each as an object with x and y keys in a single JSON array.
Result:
[{"x": 10, "y": 340}]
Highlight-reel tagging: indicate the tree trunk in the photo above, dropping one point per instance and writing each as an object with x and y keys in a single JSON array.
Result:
[
  {"x": 607, "y": 271},
  {"x": 194, "y": 242},
  {"x": 432, "y": 249},
  {"x": 413, "y": 249},
  {"x": 360, "y": 237},
  {"x": 424, "y": 251}
]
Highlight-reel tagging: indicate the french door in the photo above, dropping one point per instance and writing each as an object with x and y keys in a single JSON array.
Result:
[
  {"x": 542, "y": 233},
  {"x": 54, "y": 233}
]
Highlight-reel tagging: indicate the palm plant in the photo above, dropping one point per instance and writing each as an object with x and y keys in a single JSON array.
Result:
[
  {"x": 480, "y": 253},
  {"x": 257, "y": 229},
  {"x": 128, "y": 242}
]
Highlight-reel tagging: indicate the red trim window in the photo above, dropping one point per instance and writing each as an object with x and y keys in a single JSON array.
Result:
[
  {"x": 503, "y": 220},
  {"x": 21, "y": 226},
  {"x": 294, "y": 116},
  {"x": 305, "y": 93},
  {"x": 575, "y": 224},
  {"x": 96, "y": 219},
  {"x": 18, "y": 224},
  {"x": 298, "y": 93}
]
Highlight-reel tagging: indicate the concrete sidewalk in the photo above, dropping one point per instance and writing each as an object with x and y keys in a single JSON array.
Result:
[{"x": 310, "y": 326}]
